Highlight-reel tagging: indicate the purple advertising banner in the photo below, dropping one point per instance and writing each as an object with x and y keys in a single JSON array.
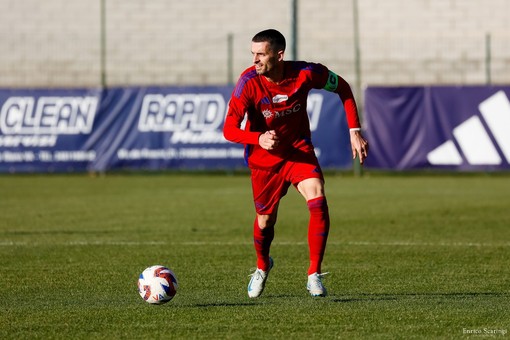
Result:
[
  {"x": 444, "y": 127},
  {"x": 140, "y": 128}
]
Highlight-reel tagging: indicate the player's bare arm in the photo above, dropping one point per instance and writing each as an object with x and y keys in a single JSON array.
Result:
[{"x": 359, "y": 144}]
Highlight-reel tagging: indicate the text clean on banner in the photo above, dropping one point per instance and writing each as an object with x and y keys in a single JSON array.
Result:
[
  {"x": 48, "y": 130},
  {"x": 461, "y": 128},
  {"x": 140, "y": 128}
]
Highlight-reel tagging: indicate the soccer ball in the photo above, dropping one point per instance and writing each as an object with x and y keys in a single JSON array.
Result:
[{"x": 157, "y": 284}]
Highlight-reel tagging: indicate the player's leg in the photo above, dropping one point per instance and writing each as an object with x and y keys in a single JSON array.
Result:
[
  {"x": 306, "y": 175},
  {"x": 263, "y": 234},
  {"x": 312, "y": 190},
  {"x": 268, "y": 188}
]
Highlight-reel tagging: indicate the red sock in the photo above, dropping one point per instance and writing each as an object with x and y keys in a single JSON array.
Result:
[
  {"x": 262, "y": 239},
  {"x": 318, "y": 230}
]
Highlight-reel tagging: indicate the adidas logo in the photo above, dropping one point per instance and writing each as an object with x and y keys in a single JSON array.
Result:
[{"x": 474, "y": 140}]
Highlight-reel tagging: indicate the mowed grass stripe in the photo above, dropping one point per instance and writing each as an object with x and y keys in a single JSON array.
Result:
[{"x": 276, "y": 243}]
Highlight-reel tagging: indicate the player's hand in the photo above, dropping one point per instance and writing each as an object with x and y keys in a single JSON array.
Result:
[
  {"x": 359, "y": 146},
  {"x": 269, "y": 140}
]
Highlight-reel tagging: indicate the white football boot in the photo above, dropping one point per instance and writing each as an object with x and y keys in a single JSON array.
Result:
[
  {"x": 315, "y": 286},
  {"x": 258, "y": 281}
]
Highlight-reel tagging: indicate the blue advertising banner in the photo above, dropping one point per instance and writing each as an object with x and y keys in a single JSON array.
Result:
[
  {"x": 47, "y": 130},
  {"x": 140, "y": 128},
  {"x": 459, "y": 128},
  {"x": 167, "y": 128}
]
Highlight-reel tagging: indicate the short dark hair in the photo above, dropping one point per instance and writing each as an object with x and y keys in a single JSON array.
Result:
[{"x": 275, "y": 39}]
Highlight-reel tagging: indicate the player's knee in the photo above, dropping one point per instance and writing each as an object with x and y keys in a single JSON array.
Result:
[
  {"x": 311, "y": 188},
  {"x": 266, "y": 221}
]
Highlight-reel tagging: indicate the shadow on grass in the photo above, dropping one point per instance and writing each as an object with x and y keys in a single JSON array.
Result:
[
  {"x": 416, "y": 296},
  {"x": 224, "y": 304},
  {"x": 363, "y": 297}
]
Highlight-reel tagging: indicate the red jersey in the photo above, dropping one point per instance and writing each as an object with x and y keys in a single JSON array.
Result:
[{"x": 280, "y": 107}]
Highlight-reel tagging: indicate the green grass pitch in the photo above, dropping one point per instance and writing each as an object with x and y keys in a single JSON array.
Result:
[{"x": 409, "y": 257}]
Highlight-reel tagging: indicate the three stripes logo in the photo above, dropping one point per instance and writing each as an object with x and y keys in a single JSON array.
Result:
[{"x": 474, "y": 140}]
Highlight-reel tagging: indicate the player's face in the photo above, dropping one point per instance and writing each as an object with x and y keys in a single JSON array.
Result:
[{"x": 264, "y": 58}]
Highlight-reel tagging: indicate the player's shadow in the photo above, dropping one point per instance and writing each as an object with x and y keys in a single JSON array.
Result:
[
  {"x": 365, "y": 297},
  {"x": 416, "y": 296}
]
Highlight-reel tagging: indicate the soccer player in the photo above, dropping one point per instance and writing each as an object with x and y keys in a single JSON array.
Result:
[{"x": 273, "y": 93}]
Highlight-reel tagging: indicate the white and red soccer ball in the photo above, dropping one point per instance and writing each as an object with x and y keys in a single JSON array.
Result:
[{"x": 157, "y": 284}]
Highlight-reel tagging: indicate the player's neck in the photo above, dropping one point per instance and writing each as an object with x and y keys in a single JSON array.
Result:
[{"x": 277, "y": 75}]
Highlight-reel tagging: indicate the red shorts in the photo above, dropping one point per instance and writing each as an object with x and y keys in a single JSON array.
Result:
[{"x": 269, "y": 187}]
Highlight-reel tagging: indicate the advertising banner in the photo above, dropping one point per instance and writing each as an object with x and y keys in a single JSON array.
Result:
[
  {"x": 141, "y": 128},
  {"x": 48, "y": 130},
  {"x": 444, "y": 127}
]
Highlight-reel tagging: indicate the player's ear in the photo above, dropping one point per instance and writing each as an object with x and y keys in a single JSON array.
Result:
[{"x": 280, "y": 55}]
